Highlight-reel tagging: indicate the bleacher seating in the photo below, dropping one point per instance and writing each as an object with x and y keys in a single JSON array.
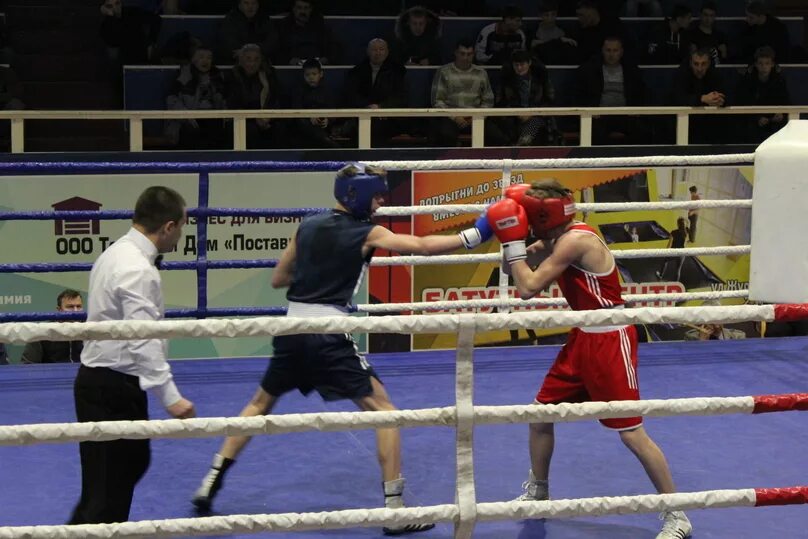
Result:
[
  {"x": 147, "y": 87},
  {"x": 353, "y": 34}
]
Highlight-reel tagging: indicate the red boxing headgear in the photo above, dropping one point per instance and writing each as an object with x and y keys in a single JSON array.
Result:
[{"x": 543, "y": 213}]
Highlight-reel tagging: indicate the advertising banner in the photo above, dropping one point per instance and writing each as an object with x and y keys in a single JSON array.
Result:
[
  {"x": 619, "y": 230},
  {"x": 228, "y": 238}
]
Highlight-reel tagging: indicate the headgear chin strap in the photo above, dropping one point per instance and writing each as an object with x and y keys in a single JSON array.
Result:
[
  {"x": 544, "y": 214},
  {"x": 356, "y": 192}
]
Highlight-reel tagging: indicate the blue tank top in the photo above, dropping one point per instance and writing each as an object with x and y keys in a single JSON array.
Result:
[{"x": 329, "y": 265}]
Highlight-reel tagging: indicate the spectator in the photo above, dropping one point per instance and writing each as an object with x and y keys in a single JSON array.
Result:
[
  {"x": 452, "y": 8},
  {"x": 693, "y": 214},
  {"x": 365, "y": 8},
  {"x": 635, "y": 235},
  {"x": 611, "y": 81},
  {"x": 378, "y": 82},
  {"x": 496, "y": 41},
  {"x": 525, "y": 83},
  {"x": 763, "y": 85},
  {"x": 712, "y": 332},
  {"x": 57, "y": 351},
  {"x": 593, "y": 29},
  {"x": 677, "y": 241},
  {"x": 670, "y": 43},
  {"x": 3, "y": 354},
  {"x": 704, "y": 35},
  {"x": 461, "y": 84},
  {"x": 246, "y": 24},
  {"x": 10, "y": 90},
  {"x": 253, "y": 85},
  {"x": 199, "y": 86},
  {"x": 648, "y": 8},
  {"x": 698, "y": 84},
  {"x": 417, "y": 37},
  {"x": 129, "y": 32},
  {"x": 763, "y": 29},
  {"x": 303, "y": 34},
  {"x": 312, "y": 94},
  {"x": 551, "y": 44}
]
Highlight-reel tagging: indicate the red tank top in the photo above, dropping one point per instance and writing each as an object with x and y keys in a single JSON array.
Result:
[{"x": 585, "y": 290}]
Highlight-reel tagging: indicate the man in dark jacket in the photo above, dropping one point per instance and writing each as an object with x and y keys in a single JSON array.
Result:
[
  {"x": 57, "y": 351},
  {"x": 417, "y": 38},
  {"x": 303, "y": 34},
  {"x": 609, "y": 80},
  {"x": 252, "y": 84},
  {"x": 698, "y": 84},
  {"x": 378, "y": 82},
  {"x": 763, "y": 30},
  {"x": 246, "y": 24},
  {"x": 670, "y": 42},
  {"x": 763, "y": 85},
  {"x": 128, "y": 32}
]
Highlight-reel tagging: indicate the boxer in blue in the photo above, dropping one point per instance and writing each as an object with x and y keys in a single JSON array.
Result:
[{"x": 322, "y": 268}]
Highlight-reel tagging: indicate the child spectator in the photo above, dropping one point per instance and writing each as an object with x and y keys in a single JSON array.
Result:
[
  {"x": 312, "y": 94},
  {"x": 763, "y": 85},
  {"x": 551, "y": 44}
]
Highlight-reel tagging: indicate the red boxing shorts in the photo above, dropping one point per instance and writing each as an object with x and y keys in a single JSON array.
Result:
[{"x": 595, "y": 366}]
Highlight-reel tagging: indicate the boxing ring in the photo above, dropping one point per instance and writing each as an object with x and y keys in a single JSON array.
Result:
[{"x": 323, "y": 475}]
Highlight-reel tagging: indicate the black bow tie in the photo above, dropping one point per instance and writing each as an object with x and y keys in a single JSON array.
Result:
[{"x": 157, "y": 261}]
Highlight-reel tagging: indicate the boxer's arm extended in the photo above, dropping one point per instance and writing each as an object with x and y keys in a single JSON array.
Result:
[
  {"x": 530, "y": 282},
  {"x": 382, "y": 238},
  {"x": 284, "y": 271}
]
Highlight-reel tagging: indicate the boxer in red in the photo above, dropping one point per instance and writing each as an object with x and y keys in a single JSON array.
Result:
[{"x": 596, "y": 363}]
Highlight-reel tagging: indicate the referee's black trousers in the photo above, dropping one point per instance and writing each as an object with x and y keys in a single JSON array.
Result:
[{"x": 109, "y": 470}]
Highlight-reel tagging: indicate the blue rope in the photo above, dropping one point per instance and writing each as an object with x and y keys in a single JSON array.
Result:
[
  {"x": 104, "y": 215},
  {"x": 170, "y": 313},
  {"x": 63, "y": 267},
  {"x": 74, "y": 167},
  {"x": 202, "y": 247}
]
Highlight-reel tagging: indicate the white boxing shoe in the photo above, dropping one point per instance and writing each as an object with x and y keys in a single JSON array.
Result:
[
  {"x": 536, "y": 490},
  {"x": 676, "y": 525}
]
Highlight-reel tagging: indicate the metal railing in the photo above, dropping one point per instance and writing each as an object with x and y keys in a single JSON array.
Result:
[{"x": 364, "y": 117}]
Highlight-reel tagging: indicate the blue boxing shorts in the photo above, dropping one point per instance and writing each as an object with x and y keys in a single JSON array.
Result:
[{"x": 331, "y": 364}]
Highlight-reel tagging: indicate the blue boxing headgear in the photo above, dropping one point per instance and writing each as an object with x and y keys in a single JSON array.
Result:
[{"x": 356, "y": 192}]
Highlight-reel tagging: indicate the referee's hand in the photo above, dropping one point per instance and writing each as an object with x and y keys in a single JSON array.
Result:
[{"x": 182, "y": 409}]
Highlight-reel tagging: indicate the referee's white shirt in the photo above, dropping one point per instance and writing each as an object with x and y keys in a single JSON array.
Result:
[{"x": 125, "y": 285}]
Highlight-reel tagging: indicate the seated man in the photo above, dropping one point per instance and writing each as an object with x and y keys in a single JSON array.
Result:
[
  {"x": 417, "y": 37},
  {"x": 378, "y": 82},
  {"x": 57, "y": 351},
  {"x": 698, "y": 84},
  {"x": 461, "y": 84}
]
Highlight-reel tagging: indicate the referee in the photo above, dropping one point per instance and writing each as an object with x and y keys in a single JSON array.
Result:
[{"x": 114, "y": 375}]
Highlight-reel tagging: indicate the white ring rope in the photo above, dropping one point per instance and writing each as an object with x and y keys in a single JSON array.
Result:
[
  {"x": 387, "y": 211},
  {"x": 677, "y": 161},
  {"x": 544, "y": 302},
  {"x": 418, "y": 260},
  {"x": 265, "y": 326},
  {"x": 339, "y": 421},
  {"x": 604, "y": 505}
]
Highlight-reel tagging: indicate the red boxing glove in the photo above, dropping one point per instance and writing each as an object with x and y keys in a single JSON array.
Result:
[
  {"x": 509, "y": 222},
  {"x": 517, "y": 191}
]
